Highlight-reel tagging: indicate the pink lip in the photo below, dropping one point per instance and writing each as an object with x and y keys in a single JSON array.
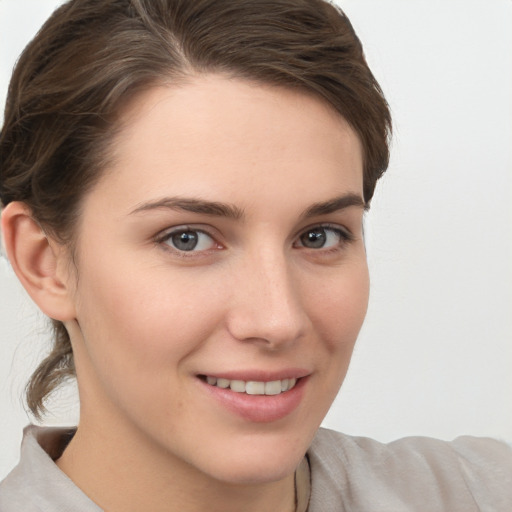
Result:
[{"x": 258, "y": 408}]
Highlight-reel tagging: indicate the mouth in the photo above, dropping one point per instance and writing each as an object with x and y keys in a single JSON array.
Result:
[
  {"x": 251, "y": 387},
  {"x": 262, "y": 398}
]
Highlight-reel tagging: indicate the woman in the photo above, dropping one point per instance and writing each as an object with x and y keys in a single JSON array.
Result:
[{"x": 183, "y": 185}]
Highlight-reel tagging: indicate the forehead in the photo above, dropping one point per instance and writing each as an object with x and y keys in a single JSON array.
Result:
[{"x": 215, "y": 136}]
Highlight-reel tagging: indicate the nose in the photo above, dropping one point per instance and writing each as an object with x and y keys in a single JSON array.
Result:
[{"x": 266, "y": 304}]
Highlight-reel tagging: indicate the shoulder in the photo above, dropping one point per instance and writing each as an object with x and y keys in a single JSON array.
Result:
[
  {"x": 36, "y": 484},
  {"x": 415, "y": 473}
]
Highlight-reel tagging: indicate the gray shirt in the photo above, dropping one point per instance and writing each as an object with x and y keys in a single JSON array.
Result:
[{"x": 342, "y": 474}]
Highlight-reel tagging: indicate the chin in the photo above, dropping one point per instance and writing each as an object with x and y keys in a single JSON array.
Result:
[
  {"x": 249, "y": 472},
  {"x": 257, "y": 461}
]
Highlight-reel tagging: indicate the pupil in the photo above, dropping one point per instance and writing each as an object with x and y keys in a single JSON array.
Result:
[
  {"x": 185, "y": 241},
  {"x": 314, "y": 239}
]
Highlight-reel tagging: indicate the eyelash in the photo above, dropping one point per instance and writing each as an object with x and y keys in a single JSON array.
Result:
[
  {"x": 345, "y": 237},
  {"x": 167, "y": 235}
]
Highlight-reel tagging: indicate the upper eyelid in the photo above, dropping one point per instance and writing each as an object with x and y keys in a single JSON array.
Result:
[
  {"x": 326, "y": 225},
  {"x": 164, "y": 233}
]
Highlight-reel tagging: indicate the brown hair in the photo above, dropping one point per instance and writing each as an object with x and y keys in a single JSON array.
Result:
[{"x": 91, "y": 55}]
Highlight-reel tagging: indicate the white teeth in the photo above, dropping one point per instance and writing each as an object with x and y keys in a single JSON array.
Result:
[
  {"x": 255, "y": 388},
  {"x": 223, "y": 383},
  {"x": 274, "y": 387},
  {"x": 237, "y": 386}
]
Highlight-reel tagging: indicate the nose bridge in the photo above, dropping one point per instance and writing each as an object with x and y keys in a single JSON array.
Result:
[{"x": 267, "y": 305}]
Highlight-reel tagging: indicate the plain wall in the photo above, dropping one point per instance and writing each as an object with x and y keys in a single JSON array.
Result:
[{"x": 435, "y": 354}]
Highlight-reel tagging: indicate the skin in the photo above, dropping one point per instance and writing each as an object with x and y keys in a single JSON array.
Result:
[{"x": 146, "y": 319}]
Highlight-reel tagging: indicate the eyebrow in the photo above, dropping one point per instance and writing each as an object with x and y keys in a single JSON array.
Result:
[
  {"x": 231, "y": 211},
  {"x": 201, "y": 206},
  {"x": 334, "y": 205}
]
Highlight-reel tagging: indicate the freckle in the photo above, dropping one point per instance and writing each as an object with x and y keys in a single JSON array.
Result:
[{"x": 180, "y": 405}]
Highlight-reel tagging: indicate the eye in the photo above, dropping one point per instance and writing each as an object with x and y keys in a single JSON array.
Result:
[
  {"x": 323, "y": 237},
  {"x": 188, "y": 240}
]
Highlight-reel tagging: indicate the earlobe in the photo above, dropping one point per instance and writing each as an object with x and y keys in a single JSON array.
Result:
[{"x": 37, "y": 261}]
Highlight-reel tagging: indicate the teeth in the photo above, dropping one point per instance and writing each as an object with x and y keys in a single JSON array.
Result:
[
  {"x": 223, "y": 383},
  {"x": 255, "y": 388},
  {"x": 238, "y": 386},
  {"x": 274, "y": 387}
]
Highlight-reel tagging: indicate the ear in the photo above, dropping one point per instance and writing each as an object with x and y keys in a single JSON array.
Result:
[{"x": 40, "y": 263}]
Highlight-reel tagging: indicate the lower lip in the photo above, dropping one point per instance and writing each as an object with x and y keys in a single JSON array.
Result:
[{"x": 258, "y": 408}]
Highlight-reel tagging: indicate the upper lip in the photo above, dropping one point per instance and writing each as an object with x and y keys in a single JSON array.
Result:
[{"x": 259, "y": 375}]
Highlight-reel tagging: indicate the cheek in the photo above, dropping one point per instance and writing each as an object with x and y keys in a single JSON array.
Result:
[
  {"x": 338, "y": 308},
  {"x": 141, "y": 319},
  {"x": 137, "y": 333},
  {"x": 336, "y": 311}
]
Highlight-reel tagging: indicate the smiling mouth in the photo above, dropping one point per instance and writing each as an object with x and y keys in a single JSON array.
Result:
[{"x": 275, "y": 387}]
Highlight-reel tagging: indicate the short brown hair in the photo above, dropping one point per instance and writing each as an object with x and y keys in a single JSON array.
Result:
[{"x": 91, "y": 55}]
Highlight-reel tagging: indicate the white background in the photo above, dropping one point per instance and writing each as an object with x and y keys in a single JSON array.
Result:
[{"x": 435, "y": 355}]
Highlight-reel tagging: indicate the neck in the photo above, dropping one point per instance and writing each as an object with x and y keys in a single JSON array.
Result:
[{"x": 121, "y": 471}]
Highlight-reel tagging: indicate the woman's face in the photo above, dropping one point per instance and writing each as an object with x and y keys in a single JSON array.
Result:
[{"x": 222, "y": 247}]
